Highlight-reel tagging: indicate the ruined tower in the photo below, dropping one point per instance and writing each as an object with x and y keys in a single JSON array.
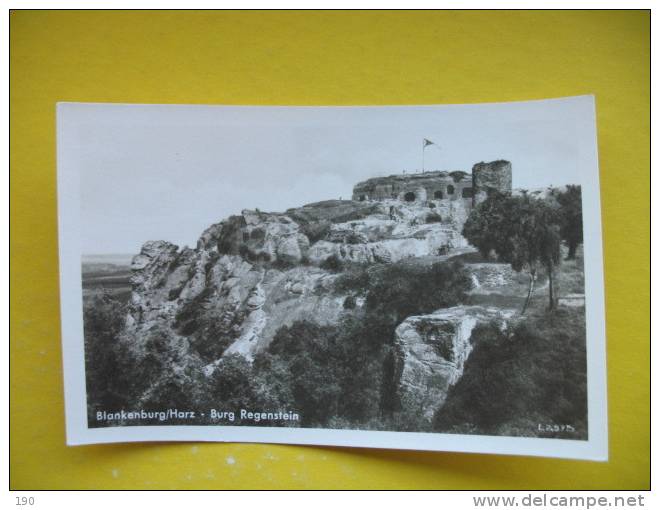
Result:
[{"x": 495, "y": 175}]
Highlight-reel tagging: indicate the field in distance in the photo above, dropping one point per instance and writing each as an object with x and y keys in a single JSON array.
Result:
[{"x": 107, "y": 273}]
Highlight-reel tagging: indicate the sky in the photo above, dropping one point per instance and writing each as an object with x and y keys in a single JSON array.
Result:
[{"x": 151, "y": 172}]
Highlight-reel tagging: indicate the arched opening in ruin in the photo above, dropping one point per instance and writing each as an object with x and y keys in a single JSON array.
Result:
[
  {"x": 437, "y": 194},
  {"x": 450, "y": 190},
  {"x": 466, "y": 193},
  {"x": 362, "y": 198},
  {"x": 409, "y": 197}
]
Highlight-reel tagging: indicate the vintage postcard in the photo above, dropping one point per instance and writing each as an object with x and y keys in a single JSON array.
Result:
[{"x": 414, "y": 277}]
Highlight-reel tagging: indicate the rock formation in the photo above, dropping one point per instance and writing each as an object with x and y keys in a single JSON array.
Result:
[
  {"x": 253, "y": 273},
  {"x": 259, "y": 271},
  {"x": 431, "y": 351}
]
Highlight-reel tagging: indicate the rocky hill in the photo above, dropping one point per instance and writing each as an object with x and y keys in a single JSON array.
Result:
[
  {"x": 255, "y": 273},
  {"x": 366, "y": 314}
]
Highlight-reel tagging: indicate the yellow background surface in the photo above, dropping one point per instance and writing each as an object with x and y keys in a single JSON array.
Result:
[{"x": 322, "y": 58}]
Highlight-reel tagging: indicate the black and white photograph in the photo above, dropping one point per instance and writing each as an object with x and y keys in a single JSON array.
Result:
[{"x": 423, "y": 277}]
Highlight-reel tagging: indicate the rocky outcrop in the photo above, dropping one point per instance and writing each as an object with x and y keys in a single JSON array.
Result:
[
  {"x": 253, "y": 273},
  {"x": 431, "y": 351},
  {"x": 257, "y": 236},
  {"x": 490, "y": 276},
  {"x": 245, "y": 302},
  {"x": 394, "y": 232}
]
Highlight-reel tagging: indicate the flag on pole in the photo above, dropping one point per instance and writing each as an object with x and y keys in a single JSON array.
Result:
[{"x": 425, "y": 143}]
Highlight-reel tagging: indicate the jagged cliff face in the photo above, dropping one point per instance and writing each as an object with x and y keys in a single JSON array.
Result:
[
  {"x": 431, "y": 351},
  {"x": 260, "y": 271},
  {"x": 247, "y": 302}
]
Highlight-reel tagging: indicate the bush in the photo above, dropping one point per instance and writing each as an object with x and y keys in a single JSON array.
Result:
[
  {"x": 187, "y": 319},
  {"x": 231, "y": 383},
  {"x": 283, "y": 264},
  {"x": 400, "y": 290},
  {"x": 257, "y": 234},
  {"x": 355, "y": 278},
  {"x": 108, "y": 364},
  {"x": 514, "y": 381},
  {"x": 349, "y": 303},
  {"x": 316, "y": 231},
  {"x": 433, "y": 218},
  {"x": 302, "y": 351},
  {"x": 330, "y": 371},
  {"x": 332, "y": 263},
  {"x": 354, "y": 238},
  {"x": 244, "y": 252}
]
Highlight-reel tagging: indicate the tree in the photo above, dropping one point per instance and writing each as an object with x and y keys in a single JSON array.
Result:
[
  {"x": 570, "y": 202},
  {"x": 398, "y": 291},
  {"x": 107, "y": 359},
  {"x": 522, "y": 230}
]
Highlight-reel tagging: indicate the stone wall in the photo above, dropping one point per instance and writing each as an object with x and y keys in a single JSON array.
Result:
[{"x": 417, "y": 187}]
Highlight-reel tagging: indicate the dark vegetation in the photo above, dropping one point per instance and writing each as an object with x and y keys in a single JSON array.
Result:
[
  {"x": 108, "y": 385},
  {"x": 315, "y": 219},
  {"x": 515, "y": 380},
  {"x": 338, "y": 376},
  {"x": 570, "y": 202},
  {"x": 332, "y": 263},
  {"x": 458, "y": 175},
  {"x": 344, "y": 375}
]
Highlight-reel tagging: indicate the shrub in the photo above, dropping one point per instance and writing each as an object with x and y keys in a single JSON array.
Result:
[
  {"x": 244, "y": 252},
  {"x": 433, "y": 218},
  {"x": 355, "y": 278},
  {"x": 354, "y": 238},
  {"x": 212, "y": 337},
  {"x": 107, "y": 359},
  {"x": 513, "y": 381},
  {"x": 401, "y": 290},
  {"x": 330, "y": 371},
  {"x": 187, "y": 319},
  {"x": 257, "y": 234},
  {"x": 231, "y": 383},
  {"x": 458, "y": 175},
  {"x": 349, "y": 303},
  {"x": 315, "y": 230},
  {"x": 283, "y": 264},
  {"x": 332, "y": 263}
]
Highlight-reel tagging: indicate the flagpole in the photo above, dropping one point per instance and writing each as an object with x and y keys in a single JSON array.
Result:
[{"x": 423, "y": 152}]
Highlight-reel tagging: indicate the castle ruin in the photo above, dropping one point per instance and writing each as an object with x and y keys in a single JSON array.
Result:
[{"x": 442, "y": 186}]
